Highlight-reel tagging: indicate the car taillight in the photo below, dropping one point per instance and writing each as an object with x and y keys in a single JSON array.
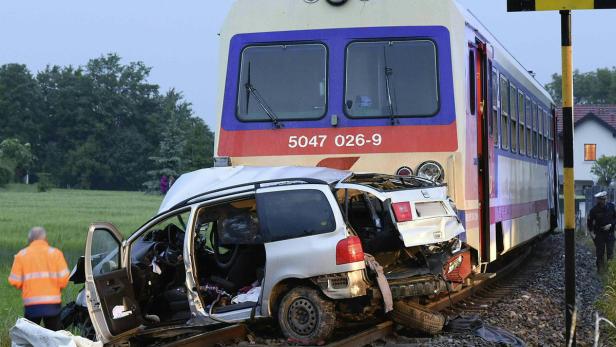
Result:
[
  {"x": 349, "y": 250},
  {"x": 402, "y": 211}
]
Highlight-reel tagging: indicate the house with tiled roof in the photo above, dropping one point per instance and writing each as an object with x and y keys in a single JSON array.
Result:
[{"x": 594, "y": 136}]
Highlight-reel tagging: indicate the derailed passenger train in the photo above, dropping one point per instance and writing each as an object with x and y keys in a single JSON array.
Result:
[{"x": 397, "y": 87}]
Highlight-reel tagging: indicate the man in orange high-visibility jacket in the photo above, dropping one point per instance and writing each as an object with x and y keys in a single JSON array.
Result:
[{"x": 41, "y": 273}]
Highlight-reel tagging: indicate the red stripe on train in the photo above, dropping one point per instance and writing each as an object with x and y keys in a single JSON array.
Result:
[
  {"x": 313, "y": 141},
  {"x": 505, "y": 212}
]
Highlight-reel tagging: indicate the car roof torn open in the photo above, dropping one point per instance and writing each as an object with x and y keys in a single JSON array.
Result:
[{"x": 203, "y": 182}]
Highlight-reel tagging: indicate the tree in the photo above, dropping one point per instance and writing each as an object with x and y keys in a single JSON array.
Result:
[
  {"x": 169, "y": 161},
  {"x": 594, "y": 87},
  {"x": 198, "y": 152},
  {"x": 102, "y": 125},
  {"x": 16, "y": 157},
  {"x": 605, "y": 170},
  {"x": 20, "y": 104}
]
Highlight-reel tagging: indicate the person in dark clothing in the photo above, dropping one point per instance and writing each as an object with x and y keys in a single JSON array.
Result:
[
  {"x": 164, "y": 184},
  {"x": 600, "y": 222}
]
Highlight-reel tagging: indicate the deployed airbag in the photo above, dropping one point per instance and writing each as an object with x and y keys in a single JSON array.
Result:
[{"x": 27, "y": 334}]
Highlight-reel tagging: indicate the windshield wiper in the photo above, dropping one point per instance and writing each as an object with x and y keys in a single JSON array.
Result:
[
  {"x": 251, "y": 90},
  {"x": 388, "y": 72}
]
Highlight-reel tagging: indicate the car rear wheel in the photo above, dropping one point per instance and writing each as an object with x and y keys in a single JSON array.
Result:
[
  {"x": 306, "y": 317},
  {"x": 417, "y": 317}
]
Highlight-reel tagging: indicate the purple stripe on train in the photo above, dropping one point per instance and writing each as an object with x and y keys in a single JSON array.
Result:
[{"x": 336, "y": 41}]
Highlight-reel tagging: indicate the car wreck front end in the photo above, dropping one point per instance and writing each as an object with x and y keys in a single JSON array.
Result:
[{"x": 411, "y": 228}]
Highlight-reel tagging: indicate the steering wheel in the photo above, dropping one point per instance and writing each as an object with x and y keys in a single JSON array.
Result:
[
  {"x": 224, "y": 261},
  {"x": 168, "y": 255},
  {"x": 172, "y": 256}
]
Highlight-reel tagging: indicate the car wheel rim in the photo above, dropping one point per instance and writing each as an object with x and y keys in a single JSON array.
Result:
[{"x": 302, "y": 316}]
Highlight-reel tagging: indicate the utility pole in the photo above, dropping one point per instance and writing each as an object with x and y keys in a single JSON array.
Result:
[{"x": 565, "y": 7}]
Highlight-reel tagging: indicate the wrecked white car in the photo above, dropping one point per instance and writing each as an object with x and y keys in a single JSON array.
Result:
[{"x": 303, "y": 245}]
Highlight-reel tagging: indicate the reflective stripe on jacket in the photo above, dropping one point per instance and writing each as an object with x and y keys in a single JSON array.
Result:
[{"x": 41, "y": 272}]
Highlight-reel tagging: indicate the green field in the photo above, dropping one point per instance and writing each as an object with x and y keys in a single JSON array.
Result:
[{"x": 66, "y": 214}]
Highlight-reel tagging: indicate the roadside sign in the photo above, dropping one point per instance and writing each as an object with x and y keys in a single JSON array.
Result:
[{"x": 557, "y": 5}]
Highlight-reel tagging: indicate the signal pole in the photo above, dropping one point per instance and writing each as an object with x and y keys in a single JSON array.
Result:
[{"x": 569, "y": 181}]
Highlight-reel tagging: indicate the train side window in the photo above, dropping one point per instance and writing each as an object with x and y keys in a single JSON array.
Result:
[
  {"x": 535, "y": 133},
  {"x": 529, "y": 128},
  {"x": 538, "y": 132},
  {"x": 504, "y": 98},
  {"x": 521, "y": 122},
  {"x": 472, "y": 88},
  {"x": 550, "y": 137},
  {"x": 494, "y": 119},
  {"x": 541, "y": 138},
  {"x": 513, "y": 104},
  {"x": 546, "y": 136}
]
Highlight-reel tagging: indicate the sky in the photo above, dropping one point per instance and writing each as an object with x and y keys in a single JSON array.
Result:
[{"x": 179, "y": 39}]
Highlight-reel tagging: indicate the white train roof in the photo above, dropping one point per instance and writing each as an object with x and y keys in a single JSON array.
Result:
[
  {"x": 203, "y": 181},
  {"x": 252, "y": 16}
]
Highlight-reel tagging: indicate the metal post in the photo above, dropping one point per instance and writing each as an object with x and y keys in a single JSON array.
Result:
[{"x": 569, "y": 182}]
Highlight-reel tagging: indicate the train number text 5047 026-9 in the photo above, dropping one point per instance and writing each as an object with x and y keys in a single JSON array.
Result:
[{"x": 318, "y": 141}]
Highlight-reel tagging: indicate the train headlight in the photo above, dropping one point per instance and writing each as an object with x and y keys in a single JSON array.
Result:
[
  {"x": 431, "y": 170},
  {"x": 404, "y": 171},
  {"x": 336, "y": 2}
]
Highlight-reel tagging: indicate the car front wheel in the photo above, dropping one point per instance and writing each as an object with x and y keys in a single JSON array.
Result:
[{"x": 306, "y": 317}]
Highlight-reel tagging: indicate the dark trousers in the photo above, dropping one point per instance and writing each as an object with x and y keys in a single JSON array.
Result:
[
  {"x": 604, "y": 243},
  {"x": 51, "y": 322}
]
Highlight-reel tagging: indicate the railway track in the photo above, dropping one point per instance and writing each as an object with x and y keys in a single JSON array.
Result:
[
  {"x": 483, "y": 291},
  {"x": 480, "y": 295}
]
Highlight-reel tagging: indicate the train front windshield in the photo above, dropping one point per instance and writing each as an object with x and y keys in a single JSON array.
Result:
[
  {"x": 383, "y": 79},
  {"x": 285, "y": 82},
  {"x": 391, "y": 78}
]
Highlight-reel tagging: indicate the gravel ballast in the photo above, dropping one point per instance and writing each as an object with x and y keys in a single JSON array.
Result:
[{"x": 535, "y": 312}]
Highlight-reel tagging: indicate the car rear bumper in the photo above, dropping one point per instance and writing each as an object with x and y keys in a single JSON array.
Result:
[{"x": 343, "y": 285}]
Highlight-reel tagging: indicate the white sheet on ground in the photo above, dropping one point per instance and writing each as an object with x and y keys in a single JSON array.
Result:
[{"x": 27, "y": 334}]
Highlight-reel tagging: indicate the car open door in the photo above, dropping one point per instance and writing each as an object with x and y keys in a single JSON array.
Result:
[{"x": 109, "y": 291}]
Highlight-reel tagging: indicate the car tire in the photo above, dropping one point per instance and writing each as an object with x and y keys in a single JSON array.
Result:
[
  {"x": 305, "y": 317},
  {"x": 417, "y": 317}
]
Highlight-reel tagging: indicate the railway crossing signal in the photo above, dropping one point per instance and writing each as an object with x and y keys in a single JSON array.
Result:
[
  {"x": 565, "y": 7},
  {"x": 560, "y": 5}
]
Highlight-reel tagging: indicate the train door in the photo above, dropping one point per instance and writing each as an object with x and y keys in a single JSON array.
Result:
[{"x": 484, "y": 149}]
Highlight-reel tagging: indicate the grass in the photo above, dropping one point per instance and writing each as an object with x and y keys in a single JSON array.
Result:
[
  {"x": 66, "y": 214},
  {"x": 607, "y": 303}
]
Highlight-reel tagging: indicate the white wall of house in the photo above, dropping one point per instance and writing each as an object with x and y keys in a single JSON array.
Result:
[{"x": 590, "y": 132}]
